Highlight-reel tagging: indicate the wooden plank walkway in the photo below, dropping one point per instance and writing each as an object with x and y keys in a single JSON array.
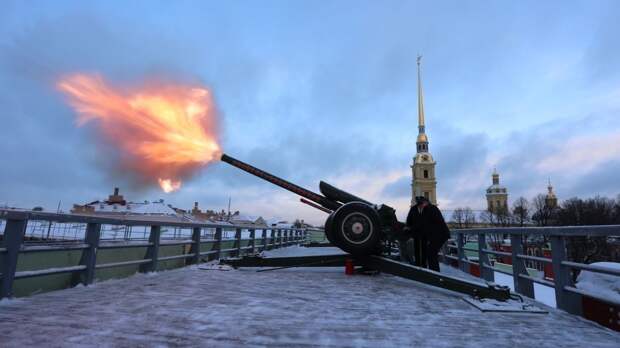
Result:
[{"x": 287, "y": 308}]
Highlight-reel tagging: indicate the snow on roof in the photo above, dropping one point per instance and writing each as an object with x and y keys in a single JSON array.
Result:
[
  {"x": 247, "y": 218},
  {"x": 153, "y": 208},
  {"x": 278, "y": 222}
]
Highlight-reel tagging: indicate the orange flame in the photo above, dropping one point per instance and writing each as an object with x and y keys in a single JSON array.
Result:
[{"x": 164, "y": 132}]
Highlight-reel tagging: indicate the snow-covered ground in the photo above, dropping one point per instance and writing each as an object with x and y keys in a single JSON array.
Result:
[
  {"x": 544, "y": 294},
  {"x": 297, "y": 250},
  {"x": 298, "y": 307}
]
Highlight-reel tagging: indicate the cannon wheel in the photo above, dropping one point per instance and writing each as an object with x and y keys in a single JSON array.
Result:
[
  {"x": 328, "y": 230},
  {"x": 354, "y": 228}
]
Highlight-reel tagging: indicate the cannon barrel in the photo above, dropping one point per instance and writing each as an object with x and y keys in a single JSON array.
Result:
[
  {"x": 314, "y": 197},
  {"x": 336, "y": 194}
]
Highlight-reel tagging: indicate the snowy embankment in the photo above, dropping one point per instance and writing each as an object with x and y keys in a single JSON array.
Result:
[{"x": 604, "y": 286}]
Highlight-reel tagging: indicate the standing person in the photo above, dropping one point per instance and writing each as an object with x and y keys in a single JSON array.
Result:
[{"x": 430, "y": 231}]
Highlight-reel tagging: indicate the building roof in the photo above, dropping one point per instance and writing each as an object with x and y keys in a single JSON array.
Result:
[{"x": 146, "y": 207}]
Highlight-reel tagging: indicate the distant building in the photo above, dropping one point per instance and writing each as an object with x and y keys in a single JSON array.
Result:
[
  {"x": 423, "y": 168},
  {"x": 551, "y": 201},
  {"x": 497, "y": 196},
  {"x": 248, "y": 220},
  {"x": 279, "y": 223},
  {"x": 116, "y": 204},
  {"x": 211, "y": 215}
]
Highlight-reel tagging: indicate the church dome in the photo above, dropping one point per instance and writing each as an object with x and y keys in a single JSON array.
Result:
[{"x": 496, "y": 188}]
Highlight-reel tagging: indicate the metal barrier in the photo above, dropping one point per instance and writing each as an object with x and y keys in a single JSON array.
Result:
[
  {"x": 567, "y": 296},
  {"x": 89, "y": 240}
]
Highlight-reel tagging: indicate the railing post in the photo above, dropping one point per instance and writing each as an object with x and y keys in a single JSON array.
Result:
[
  {"x": 253, "y": 241},
  {"x": 279, "y": 245},
  {"x": 272, "y": 235},
  {"x": 460, "y": 243},
  {"x": 13, "y": 239},
  {"x": 152, "y": 251},
  {"x": 564, "y": 300},
  {"x": 89, "y": 255},
  {"x": 287, "y": 235},
  {"x": 522, "y": 286},
  {"x": 238, "y": 241},
  {"x": 195, "y": 249},
  {"x": 218, "y": 243},
  {"x": 264, "y": 239},
  {"x": 483, "y": 259}
]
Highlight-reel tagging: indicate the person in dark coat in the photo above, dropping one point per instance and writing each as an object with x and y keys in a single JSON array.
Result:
[{"x": 429, "y": 230}]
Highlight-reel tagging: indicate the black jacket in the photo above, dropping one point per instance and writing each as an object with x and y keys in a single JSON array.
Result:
[{"x": 430, "y": 224}]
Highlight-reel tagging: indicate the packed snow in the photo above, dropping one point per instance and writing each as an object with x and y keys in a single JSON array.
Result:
[
  {"x": 604, "y": 286},
  {"x": 295, "y": 307}
]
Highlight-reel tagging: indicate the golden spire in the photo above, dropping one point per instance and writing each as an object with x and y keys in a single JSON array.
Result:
[
  {"x": 420, "y": 100},
  {"x": 549, "y": 187},
  {"x": 422, "y": 141}
]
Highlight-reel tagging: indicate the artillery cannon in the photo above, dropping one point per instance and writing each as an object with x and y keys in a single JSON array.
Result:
[
  {"x": 363, "y": 230},
  {"x": 354, "y": 225}
]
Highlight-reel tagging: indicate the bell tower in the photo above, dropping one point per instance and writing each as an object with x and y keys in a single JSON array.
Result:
[
  {"x": 550, "y": 199},
  {"x": 423, "y": 168},
  {"x": 497, "y": 195}
]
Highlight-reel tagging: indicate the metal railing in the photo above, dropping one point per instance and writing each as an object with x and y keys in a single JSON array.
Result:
[
  {"x": 93, "y": 237},
  {"x": 568, "y": 297}
]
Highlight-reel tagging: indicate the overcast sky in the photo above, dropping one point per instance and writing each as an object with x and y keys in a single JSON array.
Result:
[{"x": 319, "y": 90}]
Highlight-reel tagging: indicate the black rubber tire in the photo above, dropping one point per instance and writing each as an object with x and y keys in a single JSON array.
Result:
[
  {"x": 355, "y": 228},
  {"x": 329, "y": 229}
]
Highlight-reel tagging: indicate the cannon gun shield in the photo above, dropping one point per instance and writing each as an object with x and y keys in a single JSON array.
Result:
[
  {"x": 355, "y": 228},
  {"x": 338, "y": 195}
]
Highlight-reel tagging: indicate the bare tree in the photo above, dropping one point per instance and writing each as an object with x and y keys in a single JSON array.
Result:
[
  {"x": 503, "y": 217},
  {"x": 592, "y": 211},
  {"x": 494, "y": 239},
  {"x": 470, "y": 217},
  {"x": 541, "y": 212},
  {"x": 458, "y": 217},
  {"x": 488, "y": 218},
  {"x": 616, "y": 215},
  {"x": 520, "y": 211}
]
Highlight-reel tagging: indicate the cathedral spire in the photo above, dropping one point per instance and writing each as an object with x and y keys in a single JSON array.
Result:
[
  {"x": 550, "y": 199},
  {"x": 422, "y": 141},
  {"x": 420, "y": 100},
  {"x": 424, "y": 182}
]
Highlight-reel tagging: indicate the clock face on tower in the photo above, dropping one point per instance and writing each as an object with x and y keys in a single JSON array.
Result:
[{"x": 425, "y": 158}]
